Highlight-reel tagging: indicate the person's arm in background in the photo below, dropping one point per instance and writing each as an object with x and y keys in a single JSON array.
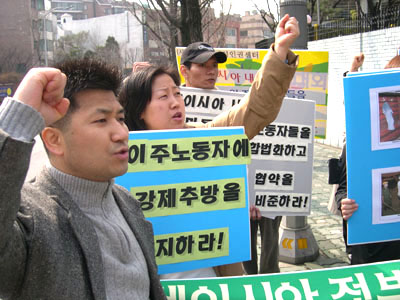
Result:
[
  {"x": 358, "y": 61},
  {"x": 261, "y": 105}
]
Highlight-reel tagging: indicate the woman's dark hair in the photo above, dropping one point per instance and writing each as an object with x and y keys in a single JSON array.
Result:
[{"x": 136, "y": 93}]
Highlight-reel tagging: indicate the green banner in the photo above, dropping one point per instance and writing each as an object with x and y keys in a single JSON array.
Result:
[
  {"x": 184, "y": 153},
  {"x": 379, "y": 281}
]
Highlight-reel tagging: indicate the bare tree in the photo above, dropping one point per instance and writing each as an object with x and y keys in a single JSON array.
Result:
[
  {"x": 72, "y": 46},
  {"x": 172, "y": 22},
  {"x": 15, "y": 59},
  {"x": 268, "y": 16},
  {"x": 214, "y": 28}
]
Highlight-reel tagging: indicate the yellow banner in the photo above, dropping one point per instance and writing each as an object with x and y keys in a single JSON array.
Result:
[
  {"x": 190, "y": 197},
  {"x": 174, "y": 154},
  {"x": 194, "y": 245}
]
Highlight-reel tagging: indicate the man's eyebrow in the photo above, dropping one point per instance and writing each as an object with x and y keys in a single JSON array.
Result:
[{"x": 109, "y": 111}]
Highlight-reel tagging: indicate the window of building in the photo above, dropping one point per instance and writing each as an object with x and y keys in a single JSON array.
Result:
[
  {"x": 230, "y": 46},
  {"x": 37, "y": 4},
  {"x": 243, "y": 33},
  {"x": 49, "y": 26},
  {"x": 231, "y": 32},
  {"x": 46, "y": 45}
]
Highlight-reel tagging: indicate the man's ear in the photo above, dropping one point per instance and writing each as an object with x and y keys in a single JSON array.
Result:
[
  {"x": 53, "y": 140},
  {"x": 183, "y": 70}
]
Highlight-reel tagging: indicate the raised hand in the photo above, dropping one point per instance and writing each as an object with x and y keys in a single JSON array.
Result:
[
  {"x": 140, "y": 65},
  {"x": 286, "y": 33},
  {"x": 348, "y": 207},
  {"x": 43, "y": 90},
  {"x": 358, "y": 60}
]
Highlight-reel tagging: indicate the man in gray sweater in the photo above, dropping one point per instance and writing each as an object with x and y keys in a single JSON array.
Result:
[{"x": 71, "y": 233}]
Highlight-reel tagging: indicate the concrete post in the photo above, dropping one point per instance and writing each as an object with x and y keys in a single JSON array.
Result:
[{"x": 297, "y": 242}]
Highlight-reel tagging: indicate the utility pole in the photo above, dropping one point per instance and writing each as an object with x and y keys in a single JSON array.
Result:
[
  {"x": 294, "y": 230},
  {"x": 44, "y": 15}
]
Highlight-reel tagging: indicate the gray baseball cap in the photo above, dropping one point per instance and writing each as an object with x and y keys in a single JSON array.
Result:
[{"x": 200, "y": 52}]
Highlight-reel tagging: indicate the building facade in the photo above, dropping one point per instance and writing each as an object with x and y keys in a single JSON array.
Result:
[
  {"x": 123, "y": 27},
  {"x": 20, "y": 35},
  {"x": 253, "y": 29}
]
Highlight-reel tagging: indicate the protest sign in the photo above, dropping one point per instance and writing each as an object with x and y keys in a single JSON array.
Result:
[
  {"x": 309, "y": 82},
  {"x": 373, "y": 151},
  {"x": 280, "y": 173},
  {"x": 373, "y": 281},
  {"x": 192, "y": 186}
]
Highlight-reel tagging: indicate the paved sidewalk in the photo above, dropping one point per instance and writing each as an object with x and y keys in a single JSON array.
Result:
[{"x": 326, "y": 227}]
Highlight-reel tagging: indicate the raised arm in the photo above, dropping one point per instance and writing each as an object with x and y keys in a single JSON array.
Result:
[
  {"x": 41, "y": 91},
  {"x": 286, "y": 33},
  {"x": 261, "y": 105}
]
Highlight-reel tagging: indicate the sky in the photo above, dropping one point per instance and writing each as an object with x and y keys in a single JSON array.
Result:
[{"x": 240, "y": 6}]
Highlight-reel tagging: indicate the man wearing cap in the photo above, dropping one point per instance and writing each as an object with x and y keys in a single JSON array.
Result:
[
  {"x": 199, "y": 65},
  {"x": 259, "y": 107}
]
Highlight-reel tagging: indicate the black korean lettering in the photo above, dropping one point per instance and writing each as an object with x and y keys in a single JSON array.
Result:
[
  {"x": 290, "y": 150},
  {"x": 284, "y": 200},
  {"x": 293, "y": 131},
  {"x": 206, "y": 242},
  {"x": 287, "y": 179},
  {"x": 137, "y": 152},
  {"x": 305, "y": 133},
  {"x": 220, "y": 148},
  {"x": 282, "y": 130},
  {"x": 167, "y": 198},
  {"x": 191, "y": 119},
  {"x": 260, "y": 200},
  {"x": 159, "y": 152},
  {"x": 302, "y": 150},
  {"x": 255, "y": 147},
  {"x": 260, "y": 178},
  {"x": 205, "y": 120},
  {"x": 204, "y": 101},
  {"x": 190, "y": 100},
  {"x": 184, "y": 244},
  {"x": 270, "y": 130},
  {"x": 218, "y": 103},
  {"x": 274, "y": 178},
  {"x": 208, "y": 194},
  {"x": 277, "y": 150},
  {"x": 164, "y": 247},
  {"x": 146, "y": 199},
  {"x": 241, "y": 148},
  {"x": 231, "y": 191},
  {"x": 297, "y": 200},
  {"x": 201, "y": 150},
  {"x": 266, "y": 149},
  {"x": 179, "y": 155},
  {"x": 272, "y": 201},
  {"x": 189, "y": 194}
]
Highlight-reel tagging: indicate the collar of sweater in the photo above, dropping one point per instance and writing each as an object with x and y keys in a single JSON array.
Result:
[{"x": 91, "y": 196}]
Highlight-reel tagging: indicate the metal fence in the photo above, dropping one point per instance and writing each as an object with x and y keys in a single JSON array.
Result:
[{"x": 387, "y": 18}]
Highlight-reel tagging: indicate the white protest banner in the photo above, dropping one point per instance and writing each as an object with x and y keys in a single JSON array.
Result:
[{"x": 280, "y": 174}]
